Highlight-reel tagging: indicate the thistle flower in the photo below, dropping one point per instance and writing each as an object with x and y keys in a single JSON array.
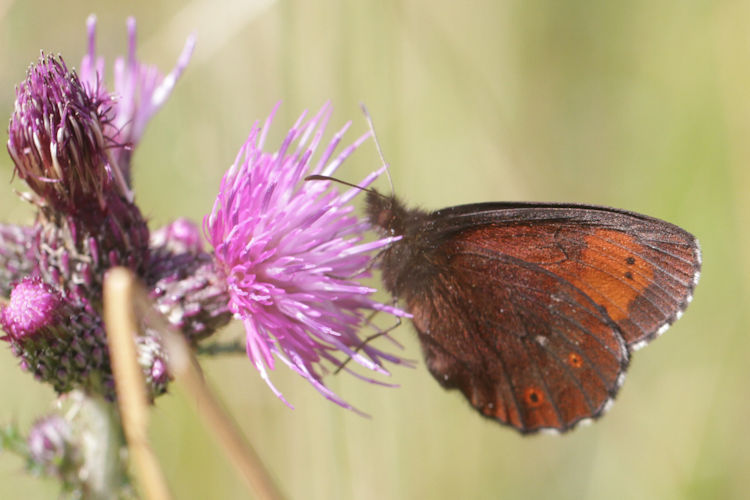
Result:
[
  {"x": 291, "y": 250},
  {"x": 287, "y": 252},
  {"x": 58, "y": 140},
  {"x": 140, "y": 90},
  {"x": 70, "y": 139},
  {"x": 57, "y": 341}
]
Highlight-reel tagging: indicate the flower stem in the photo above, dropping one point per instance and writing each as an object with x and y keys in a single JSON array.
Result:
[{"x": 214, "y": 348}]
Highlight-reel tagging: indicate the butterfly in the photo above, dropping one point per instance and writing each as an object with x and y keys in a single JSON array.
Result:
[{"x": 532, "y": 310}]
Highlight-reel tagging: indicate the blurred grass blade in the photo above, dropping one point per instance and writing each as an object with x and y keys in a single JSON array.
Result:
[
  {"x": 126, "y": 294},
  {"x": 120, "y": 320}
]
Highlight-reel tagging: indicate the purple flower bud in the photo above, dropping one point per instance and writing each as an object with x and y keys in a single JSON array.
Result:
[
  {"x": 180, "y": 236},
  {"x": 159, "y": 371},
  {"x": 55, "y": 339},
  {"x": 33, "y": 308},
  {"x": 152, "y": 359},
  {"x": 52, "y": 447}
]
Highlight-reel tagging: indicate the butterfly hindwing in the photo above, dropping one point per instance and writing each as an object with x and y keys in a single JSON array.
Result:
[{"x": 526, "y": 358}]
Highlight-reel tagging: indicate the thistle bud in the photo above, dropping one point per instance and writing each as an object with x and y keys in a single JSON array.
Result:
[
  {"x": 56, "y": 138},
  {"x": 53, "y": 448}
]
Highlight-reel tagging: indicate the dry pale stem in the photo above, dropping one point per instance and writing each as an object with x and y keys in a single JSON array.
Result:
[{"x": 126, "y": 295}]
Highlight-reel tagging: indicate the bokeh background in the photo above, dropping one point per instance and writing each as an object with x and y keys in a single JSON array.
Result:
[{"x": 643, "y": 105}]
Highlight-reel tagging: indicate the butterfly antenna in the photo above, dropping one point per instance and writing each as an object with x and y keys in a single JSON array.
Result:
[
  {"x": 377, "y": 145},
  {"x": 318, "y": 177}
]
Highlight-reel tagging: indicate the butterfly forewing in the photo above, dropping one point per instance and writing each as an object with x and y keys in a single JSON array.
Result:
[{"x": 641, "y": 270}]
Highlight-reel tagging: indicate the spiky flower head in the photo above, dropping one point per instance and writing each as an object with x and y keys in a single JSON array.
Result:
[
  {"x": 70, "y": 139},
  {"x": 140, "y": 90},
  {"x": 291, "y": 252},
  {"x": 34, "y": 306},
  {"x": 57, "y": 341},
  {"x": 56, "y": 138}
]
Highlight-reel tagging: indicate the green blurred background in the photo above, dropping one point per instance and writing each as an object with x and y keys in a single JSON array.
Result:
[{"x": 642, "y": 105}]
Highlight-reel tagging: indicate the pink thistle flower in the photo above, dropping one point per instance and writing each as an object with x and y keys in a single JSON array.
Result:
[
  {"x": 71, "y": 141},
  {"x": 140, "y": 90},
  {"x": 291, "y": 251},
  {"x": 33, "y": 308}
]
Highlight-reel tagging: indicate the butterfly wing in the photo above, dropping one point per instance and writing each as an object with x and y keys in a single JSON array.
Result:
[{"x": 532, "y": 309}]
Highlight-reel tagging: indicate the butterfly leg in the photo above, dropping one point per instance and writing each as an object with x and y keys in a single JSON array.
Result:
[
  {"x": 367, "y": 340},
  {"x": 358, "y": 273}
]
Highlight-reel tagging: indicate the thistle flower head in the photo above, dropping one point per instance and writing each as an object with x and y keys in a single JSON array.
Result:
[
  {"x": 140, "y": 90},
  {"x": 290, "y": 251},
  {"x": 33, "y": 307},
  {"x": 179, "y": 236},
  {"x": 71, "y": 141},
  {"x": 57, "y": 138},
  {"x": 55, "y": 340}
]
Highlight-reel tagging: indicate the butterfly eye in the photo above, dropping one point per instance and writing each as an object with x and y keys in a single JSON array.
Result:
[{"x": 384, "y": 218}]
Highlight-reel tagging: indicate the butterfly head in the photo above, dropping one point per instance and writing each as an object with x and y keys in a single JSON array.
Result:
[{"x": 386, "y": 213}]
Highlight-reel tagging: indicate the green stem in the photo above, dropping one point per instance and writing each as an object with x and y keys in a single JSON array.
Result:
[{"x": 235, "y": 347}]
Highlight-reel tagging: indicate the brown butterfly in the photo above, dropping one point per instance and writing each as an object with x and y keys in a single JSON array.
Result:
[{"x": 532, "y": 310}]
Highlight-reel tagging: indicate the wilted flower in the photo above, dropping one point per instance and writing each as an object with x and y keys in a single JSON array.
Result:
[{"x": 291, "y": 251}]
